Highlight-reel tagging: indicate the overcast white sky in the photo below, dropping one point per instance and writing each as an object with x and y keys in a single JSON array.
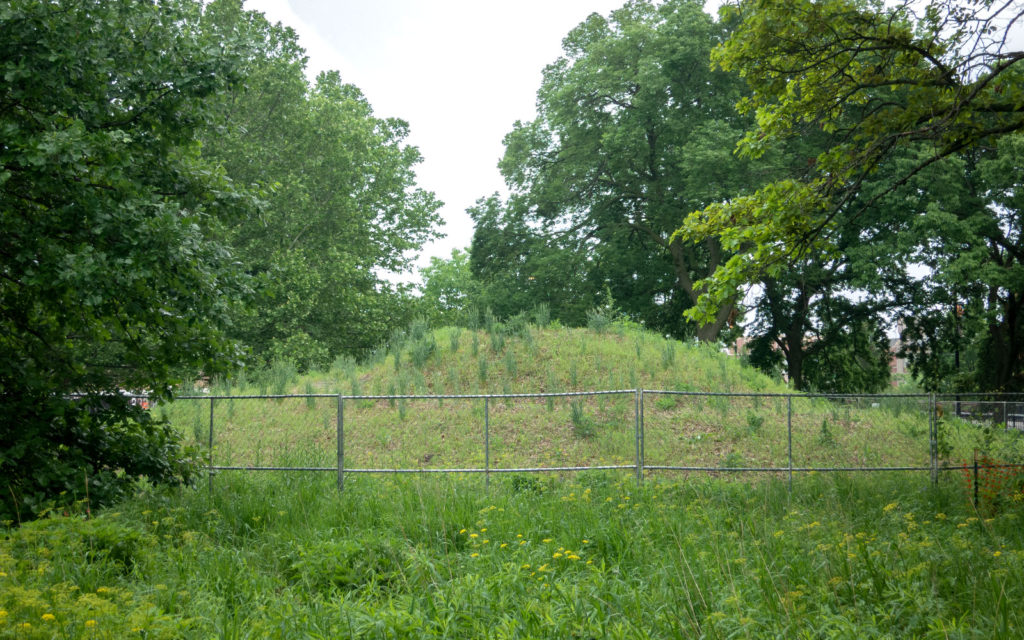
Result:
[{"x": 460, "y": 72}]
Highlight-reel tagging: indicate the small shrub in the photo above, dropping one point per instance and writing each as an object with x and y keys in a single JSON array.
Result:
[
  {"x": 345, "y": 365},
  {"x": 419, "y": 329},
  {"x": 421, "y": 349},
  {"x": 454, "y": 334},
  {"x": 754, "y": 422},
  {"x": 825, "y": 437},
  {"x": 732, "y": 461},
  {"x": 598, "y": 320},
  {"x": 542, "y": 315},
  {"x": 666, "y": 403},
  {"x": 518, "y": 325},
  {"x": 668, "y": 354},
  {"x": 281, "y": 374},
  {"x": 582, "y": 426},
  {"x": 497, "y": 334}
]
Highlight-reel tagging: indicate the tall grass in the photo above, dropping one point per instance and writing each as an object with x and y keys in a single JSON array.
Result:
[{"x": 592, "y": 555}]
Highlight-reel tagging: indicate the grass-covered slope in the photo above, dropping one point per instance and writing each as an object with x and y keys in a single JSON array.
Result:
[{"x": 699, "y": 431}]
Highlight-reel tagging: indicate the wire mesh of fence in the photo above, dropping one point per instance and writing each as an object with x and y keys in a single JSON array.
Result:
[{"x": 637, "y": 431}]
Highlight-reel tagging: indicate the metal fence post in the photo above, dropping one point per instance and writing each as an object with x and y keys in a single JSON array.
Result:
[
  {"x": 487, "y": 445},
  {"x": 643, "y": 438},
  {"x": 341, "y": 443},
  {"x": 789, "y": 438},
  {"x": 934, "y": 435},
  {"x": 636, "y": 434},
  {"x": 209, "y": 471}
]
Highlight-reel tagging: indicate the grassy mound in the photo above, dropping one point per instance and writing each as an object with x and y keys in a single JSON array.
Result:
[{"x": 719, "y": 431}]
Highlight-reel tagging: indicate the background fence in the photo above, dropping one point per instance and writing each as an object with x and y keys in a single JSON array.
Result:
[{"x": 641, "y": 431}]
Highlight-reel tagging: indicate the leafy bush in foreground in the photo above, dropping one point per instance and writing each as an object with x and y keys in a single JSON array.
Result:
[{"x": 55, "y": 451}]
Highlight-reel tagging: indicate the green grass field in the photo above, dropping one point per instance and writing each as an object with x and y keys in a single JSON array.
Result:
[
  {"x": 594, "y": 556},
  {"x": 554, "y": 555}
]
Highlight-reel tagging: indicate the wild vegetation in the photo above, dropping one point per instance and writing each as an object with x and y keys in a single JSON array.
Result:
[
  {"x": 179, "y": 202},
  {"x": 287, "y": 556}
]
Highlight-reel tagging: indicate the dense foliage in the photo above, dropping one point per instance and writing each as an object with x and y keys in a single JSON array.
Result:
[
  {"x": 159, "y": 164},
  {"x": 633, "y": 129},
  {"x": 341, "y": 207},
  {"x": 109, "y": 277},
  {"x": 918, "y": 101}
]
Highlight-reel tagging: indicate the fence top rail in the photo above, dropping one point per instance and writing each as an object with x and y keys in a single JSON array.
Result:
[
  {"x": 754, "y": 394},
  {"x": 472, "y": 396},
  {"x": 993, "y": 397}
]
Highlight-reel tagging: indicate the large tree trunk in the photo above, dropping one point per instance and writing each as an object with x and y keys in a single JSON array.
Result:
[{"x": 683, "y": 257}]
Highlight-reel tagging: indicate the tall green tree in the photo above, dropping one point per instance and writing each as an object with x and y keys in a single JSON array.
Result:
[
  {"x": 108, "y": 275},
  {"x": 520, "y": 266},
  {"x": 633, "y": 130},
  {"x": 964, "y": 325},
  {"x": 924, "y": 80},
  {"x": 341, "y": 204},
  {"x": 449, "y": 290}
]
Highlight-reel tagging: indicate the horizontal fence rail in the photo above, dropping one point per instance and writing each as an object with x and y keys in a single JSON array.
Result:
[{"x": 679, "y": 417}]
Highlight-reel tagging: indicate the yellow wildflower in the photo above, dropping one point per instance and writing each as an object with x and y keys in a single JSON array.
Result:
[
  {"x": 474, "y": 535},
  {"x": 90, "y": 623},
  {"x": 49, "y": 617}
]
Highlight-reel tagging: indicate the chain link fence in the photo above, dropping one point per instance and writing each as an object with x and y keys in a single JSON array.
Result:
[{"x": 642, "y": 432}]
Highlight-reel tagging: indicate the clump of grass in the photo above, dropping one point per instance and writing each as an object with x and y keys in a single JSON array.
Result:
[
  {"x": 454, "y": 335},
  {"x": 582, "y": 425},
  {"x": 482, "y": 364},
  {"x": 497, "y": 335},
  {"x": 310, "y": 401},
  {"x": 668, "y": 354},
  {"x": 345, "y": 365},
  {"x": 754, "y": 422},
  {"x": 280, "y": 375},
  {"x": 510, "y": 364}
]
